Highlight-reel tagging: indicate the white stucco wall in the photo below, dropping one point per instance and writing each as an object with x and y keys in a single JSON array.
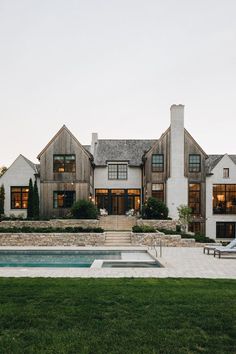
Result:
[
  {"x": 177, "y": 184},
  {"x": 133, "y": 181},
  {"x": 18, "y": 174},
  {"x": 217, "y": 178}
]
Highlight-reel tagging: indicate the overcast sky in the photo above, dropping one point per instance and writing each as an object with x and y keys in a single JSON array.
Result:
[{"x": 115, "y": 67}]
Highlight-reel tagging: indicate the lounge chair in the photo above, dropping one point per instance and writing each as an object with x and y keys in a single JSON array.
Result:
[
  {"x": 229, "y": 249},
  {"x": 214, "y": 246}
]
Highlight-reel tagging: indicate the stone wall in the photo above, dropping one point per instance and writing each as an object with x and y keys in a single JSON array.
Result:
[
  {"x": 151, "y": 239},
  {"x": 160, "y": 224},
  {"x": 62, "y": 223},
  {"x": 53, "y": 239}
]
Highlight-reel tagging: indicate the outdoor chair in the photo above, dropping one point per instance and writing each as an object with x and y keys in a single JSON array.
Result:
[{"x": 213, "y": 247}]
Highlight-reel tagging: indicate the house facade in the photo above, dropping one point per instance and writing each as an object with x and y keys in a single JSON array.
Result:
[{"x": 119, "y": 175}]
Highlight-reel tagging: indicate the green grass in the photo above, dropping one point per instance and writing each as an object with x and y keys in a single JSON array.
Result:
[{"x": 117, "y": 316}]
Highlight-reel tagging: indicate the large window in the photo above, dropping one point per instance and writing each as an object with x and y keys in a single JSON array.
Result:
[
  {"x": 225, "y": 230},
  {"x": 117, "y": 171},
  {"x": 224, "y": 198},
  {"x": 157, "y": 163},
  {"x": 194, "y": 198},
  {"x": 194, "y": 163},
  {"x": 158, "y": 191},
  {"x": 19, "y": 197},
  {"x": 63, "y": 199},
  {"x": 63, "y": 163}
]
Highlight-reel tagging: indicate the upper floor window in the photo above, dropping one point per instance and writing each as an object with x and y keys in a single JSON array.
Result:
[
  {"x": 157, "y": 163},
  {"x": 225, "y": 172},
  {"x": 19, "y": 197},
  {"x": 158, "y": 191},
  {"x": 194, "y": 198},
  {"x": 117, "y": 171},
  {"x": 194, "y": 163},
  {"x": 63, "y": 163},
  {"x": 224, "y": 198},
  {"x": 63, "y": 199}
]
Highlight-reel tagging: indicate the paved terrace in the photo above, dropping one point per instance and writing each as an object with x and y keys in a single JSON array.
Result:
[{"x": 177, "y": 262}]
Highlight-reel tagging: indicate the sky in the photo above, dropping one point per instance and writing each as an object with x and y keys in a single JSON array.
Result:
[{"x": 115, "y": 67}]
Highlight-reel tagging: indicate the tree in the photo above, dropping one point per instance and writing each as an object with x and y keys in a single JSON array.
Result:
[
  {"x": 30, "y": 209},
  {"x": 185, "y": 216},
  {"x": 35, "y": 200},
  {"x": 155, "y": 209},
  {"x": 2, "y": 199},
  {"x": 3, "y": 169},
  {"x": 84, "y": 209}
]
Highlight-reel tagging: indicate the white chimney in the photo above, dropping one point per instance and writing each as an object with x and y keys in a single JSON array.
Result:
[
  {"x": 177, "y": 184},
  {"x": 94, "y": 142}
]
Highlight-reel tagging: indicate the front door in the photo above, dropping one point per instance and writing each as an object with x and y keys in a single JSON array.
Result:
[{"x": 118, "y": 205}]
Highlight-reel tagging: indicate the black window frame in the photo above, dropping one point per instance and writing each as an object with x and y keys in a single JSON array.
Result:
[
  {"x": 228, "y": 193},
  {"x": 158, "y": 166},
  {"x": 115, "y": 171},
  {"x": 65, "y": 164},
  {"x": 66, "y": 205},
  {"x": 191, "y": 194},
  {"x": 159, "y": 194},
  {"x": 194, "y": 167},
  {"x": 226, "y": 169},
  {"x": 221, "y": 229},
  {"x": 21, "y": 200}
]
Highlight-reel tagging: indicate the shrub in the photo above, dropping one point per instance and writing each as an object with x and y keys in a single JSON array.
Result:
[
  {"x": 143, "y": 228},
  {"x": 29, "y": 229},
  {"x": 2, "y": 200},
  {"x": 84, "y": 209},
  {"x": 155, "y": 209},
  {"x": 197, "y": 237}
]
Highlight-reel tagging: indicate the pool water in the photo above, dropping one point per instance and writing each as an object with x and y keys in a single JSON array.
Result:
[{"x": 76, "y": 258}]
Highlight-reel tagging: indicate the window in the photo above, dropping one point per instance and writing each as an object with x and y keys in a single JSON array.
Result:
[
  {"x": 194, "y": 198},
  {"x": 195, "y": 163},
  {"x": 225, "y": 172},
  {"x": 158, "y": 163},
  {"x": 224, "y": 198},
  {"x": 158, "y": 191},
  {"x": 19, "y": 197},
  {"x": 63, "y": 199},
  {"x": 225, "y": 230},
  {"x": 63, "y": 163},
  {"x": 117, "y": 171}
]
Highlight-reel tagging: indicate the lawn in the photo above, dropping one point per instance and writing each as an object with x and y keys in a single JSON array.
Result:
[{"x": 117, "y": 316}]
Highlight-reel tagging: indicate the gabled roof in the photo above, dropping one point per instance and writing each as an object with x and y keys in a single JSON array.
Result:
[
  {"x": 157, "y": 141},
  {"x": 121, "y": 150},
  {"x": 213, "y": 160},
  {"x": 55, "y": 137},
  {"x": 33, "y": 165},
  {"x": 199, "y": 147}
]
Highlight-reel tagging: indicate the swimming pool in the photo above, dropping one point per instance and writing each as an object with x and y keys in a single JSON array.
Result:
[{"x": 77, "y": 258}]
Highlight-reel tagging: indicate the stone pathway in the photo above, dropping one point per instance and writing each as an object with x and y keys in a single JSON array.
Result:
[{"x": 178, "y": 262}]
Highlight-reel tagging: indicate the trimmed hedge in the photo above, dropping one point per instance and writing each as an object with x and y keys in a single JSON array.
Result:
[
  {"x": 28, "y": 229},
  {"x": 143, "y": 229},
  {"x": 198, "y": 237}
]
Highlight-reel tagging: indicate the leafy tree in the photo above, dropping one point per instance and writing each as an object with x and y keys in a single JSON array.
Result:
[
  {"x": 155, "y": 209},
  {"x": 30, "y": 209},
  {"x": 35, "y": 200},
  {"x": 2, "y": 199},
  {"x": 84, "y": 209},
  {"x": 3, "y": 169},
  {"x": 185, "y": 216}
]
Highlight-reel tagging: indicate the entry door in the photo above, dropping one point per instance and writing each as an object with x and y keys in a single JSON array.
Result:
[{"x": 118, "y": 205}]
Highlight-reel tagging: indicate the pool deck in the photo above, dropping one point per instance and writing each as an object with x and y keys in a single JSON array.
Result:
[{"x": 178, "y": 263}]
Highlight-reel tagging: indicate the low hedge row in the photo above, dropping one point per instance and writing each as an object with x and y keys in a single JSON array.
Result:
[
  {"x": 198, "y": 237},
  {"x": 143, "y": 229},
  {"x": 28, "y": 229}
]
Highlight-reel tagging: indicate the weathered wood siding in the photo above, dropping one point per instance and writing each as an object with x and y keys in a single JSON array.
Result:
[{"x": 80, "y": 181}]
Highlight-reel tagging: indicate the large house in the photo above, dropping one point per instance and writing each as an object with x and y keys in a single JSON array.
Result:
[{"x": 119, "y": 175}]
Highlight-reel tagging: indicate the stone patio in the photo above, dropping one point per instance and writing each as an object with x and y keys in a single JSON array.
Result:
[{"x": 178, "y": 263}]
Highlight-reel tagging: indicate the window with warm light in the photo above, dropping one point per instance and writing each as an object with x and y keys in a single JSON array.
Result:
[
  {"x": 63, "y": 199},
  {"x": 63, "y": 163},
  {"x": 194, "y": 198},
  {"x": 19, "y": 197},
  {"x": 158, "y": 191},
  {"x": 224, "y": 198}
]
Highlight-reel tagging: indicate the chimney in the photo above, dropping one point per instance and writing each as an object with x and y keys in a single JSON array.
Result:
[
  {"x": 177, "y": 183},
  {"x": 94, "y": 142}
]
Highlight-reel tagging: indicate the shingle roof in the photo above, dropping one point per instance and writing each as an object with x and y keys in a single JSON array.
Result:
[
  {"x": 121, "y": 150},
  {"x": 213, "y": 160}
]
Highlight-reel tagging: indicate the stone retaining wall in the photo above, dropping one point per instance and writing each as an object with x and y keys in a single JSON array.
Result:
[
  {"x": 62, "y": 223},
  {"x": 151, "y": 239},
  {"x": 52, "y": 239},
  {"x": 161, "y": 224}
]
